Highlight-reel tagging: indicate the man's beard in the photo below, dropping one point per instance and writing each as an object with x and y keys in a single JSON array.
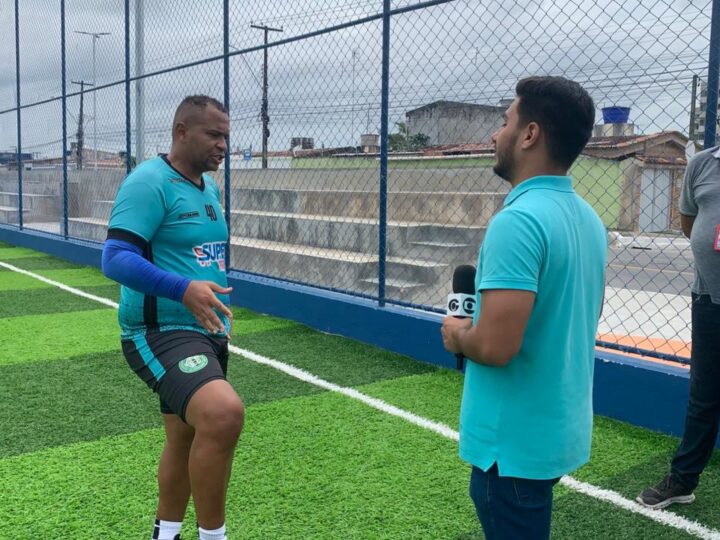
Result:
[{"x": 504, "y": 163}]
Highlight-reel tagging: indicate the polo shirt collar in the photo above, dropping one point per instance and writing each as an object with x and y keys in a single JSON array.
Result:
[{"x": 556, "y": 183}]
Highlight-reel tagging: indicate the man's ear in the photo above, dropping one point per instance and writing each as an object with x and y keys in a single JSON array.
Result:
[
  {"x": 179, "y": 131},
  {"x": 530, "y": 136}
]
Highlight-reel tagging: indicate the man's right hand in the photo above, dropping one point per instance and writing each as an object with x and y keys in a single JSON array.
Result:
[{"x": 200, "y": 299}]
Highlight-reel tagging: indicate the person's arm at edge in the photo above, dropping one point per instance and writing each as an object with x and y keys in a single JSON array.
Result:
[{"x": 686, "y": 224}]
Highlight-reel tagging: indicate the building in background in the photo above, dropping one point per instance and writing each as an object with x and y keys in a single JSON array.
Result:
[
  {"x": 302, "y": 143},
  {"x": 698, "y": 113},
  {"x": 9, "y": 159},
  {"x": 452, "y": 122}
]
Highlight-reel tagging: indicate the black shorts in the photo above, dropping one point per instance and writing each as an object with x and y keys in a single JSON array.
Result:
[{"x": 176, "y": 363}]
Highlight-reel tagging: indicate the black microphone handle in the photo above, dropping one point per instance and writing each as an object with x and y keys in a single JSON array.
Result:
[
  {"x": 459, "y": 361},
  {"x": 459, "y": 357}
]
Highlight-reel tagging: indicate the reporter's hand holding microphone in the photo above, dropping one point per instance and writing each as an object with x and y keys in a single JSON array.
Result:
[{"x": 460, "y": 310}]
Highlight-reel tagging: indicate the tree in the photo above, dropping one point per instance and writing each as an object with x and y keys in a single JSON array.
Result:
[{"x": 402, "y": 141}]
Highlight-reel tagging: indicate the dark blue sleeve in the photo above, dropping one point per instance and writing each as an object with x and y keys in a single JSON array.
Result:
[{"x": 123, "y": 262}]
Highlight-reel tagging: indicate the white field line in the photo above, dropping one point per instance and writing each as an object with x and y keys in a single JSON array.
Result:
[{"x": 661, "y": 516}]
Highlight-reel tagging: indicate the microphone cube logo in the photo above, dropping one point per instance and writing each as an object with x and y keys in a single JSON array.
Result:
[
  {"x": 209, "y": 253},
  {"x": 461, "y": 305}
]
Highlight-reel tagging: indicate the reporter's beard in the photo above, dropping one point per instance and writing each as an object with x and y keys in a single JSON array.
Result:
[{"x": 503, "y": 168}]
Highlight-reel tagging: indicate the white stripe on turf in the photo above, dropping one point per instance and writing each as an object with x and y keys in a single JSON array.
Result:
[
  {"x": 59, "y": 285},
  {"x": 661, "y": 516}
]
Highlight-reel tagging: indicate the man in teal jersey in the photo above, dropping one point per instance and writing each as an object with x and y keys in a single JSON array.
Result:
[
  {"x": 166, "y": 246},
  {"x": 526, "y": 415}
]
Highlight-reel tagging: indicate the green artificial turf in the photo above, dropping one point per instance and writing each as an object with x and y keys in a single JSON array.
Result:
[
  {"x": 578, "y": 517},
  {"x": 58, "y": 336},
  {"x": 44, "y": 301},
  {"x": 83, "y": 277},
  {"x": 81, "y": 435},
  {"x": 10, "y": 253},
  {"x": 40, "y": 408},
  {"x": 312, "y": 467},
  {"x": 34, "y": 263},
  {"x": 435, "y": 396},
  {"x": 625, "y": 458},
  {"x": 340, "y": 360}
]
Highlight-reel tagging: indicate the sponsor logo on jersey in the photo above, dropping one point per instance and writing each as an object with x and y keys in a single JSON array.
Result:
[
  {"x": 209, "y": 253},
  {"x": 188, "y": 215}
]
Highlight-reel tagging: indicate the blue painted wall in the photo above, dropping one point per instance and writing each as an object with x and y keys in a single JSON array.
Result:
[{"x": 647, "y": 394}]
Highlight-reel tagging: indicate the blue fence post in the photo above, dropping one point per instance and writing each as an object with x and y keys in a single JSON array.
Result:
[
  {"x": 385, "y": 104},
  {"x": 19, "y": 130},
  {"x": 713, "y": 77},
  {"x": 226, "y": 99},
  {"x": 128, "y": 146},
  {"x": 64, "y": 120}
]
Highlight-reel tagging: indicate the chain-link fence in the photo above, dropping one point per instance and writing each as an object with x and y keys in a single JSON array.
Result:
[{"x": 360, "y": 156}]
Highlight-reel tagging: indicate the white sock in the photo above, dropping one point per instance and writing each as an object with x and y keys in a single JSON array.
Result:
[
  {"x": 166, "y": 530},
  {"x": 217, "y": 534}
]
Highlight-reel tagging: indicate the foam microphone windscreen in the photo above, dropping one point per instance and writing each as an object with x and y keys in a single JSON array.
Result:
[{"x": 464, "y": 279}]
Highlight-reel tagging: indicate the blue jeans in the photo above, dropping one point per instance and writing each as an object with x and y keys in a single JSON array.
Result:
[
  {"x": 512, "y": 508},
  {"x": 703, "y": 410}
]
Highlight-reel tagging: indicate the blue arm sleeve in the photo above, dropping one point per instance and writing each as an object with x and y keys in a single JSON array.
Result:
[{"x": 123, "y": 262}]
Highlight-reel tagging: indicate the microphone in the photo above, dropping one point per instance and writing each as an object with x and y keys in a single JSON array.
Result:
[{"x": 461, "y": 302}]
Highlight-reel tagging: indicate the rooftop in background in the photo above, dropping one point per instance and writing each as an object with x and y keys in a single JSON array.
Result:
[
  {"x": 443, "y": 104},
  {"x": 664, "y": 145}
]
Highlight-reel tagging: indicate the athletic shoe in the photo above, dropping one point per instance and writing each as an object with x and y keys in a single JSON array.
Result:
[{"x": 667, "y": 492}]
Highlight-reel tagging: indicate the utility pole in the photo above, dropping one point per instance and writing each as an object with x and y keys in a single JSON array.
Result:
[
  {"x": 264, "y": 107},
  {"x": 692, "y": 107},
  {"x": 80, "y": 131},
  {"x": 353, "y": 140},
  {"x": 139, "y": 83},
  {"x": 95, "y": 36}
]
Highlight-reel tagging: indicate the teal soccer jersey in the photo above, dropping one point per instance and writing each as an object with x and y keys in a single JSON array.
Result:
[{"x": 186, "y": 234}]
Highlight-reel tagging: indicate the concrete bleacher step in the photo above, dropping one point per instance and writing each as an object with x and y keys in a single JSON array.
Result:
[
  {"x": 404, "y": 238},
  {"x": 10, "y": 214},
  {"x": 322, "y": 266},
  {"x": 88, "y": 228},
  {"x": 102, "y": 209},
  {"x": 36, "y": 207},
  {"x": 457, "y": 208},
  {"x": 443, "y": 251},
  {"x": 9, "y": 199},
  {"x": 392, "y": 286}
]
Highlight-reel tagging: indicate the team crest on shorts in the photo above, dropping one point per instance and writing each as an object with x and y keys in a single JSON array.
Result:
[{"x": 191, "y": 364}]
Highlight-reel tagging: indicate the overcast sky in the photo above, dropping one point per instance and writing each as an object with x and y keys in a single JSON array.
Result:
[{"x": 328, "y": 87}]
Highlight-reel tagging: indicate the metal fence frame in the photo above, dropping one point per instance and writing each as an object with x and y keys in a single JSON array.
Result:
[{"x": 713, "y": 78}]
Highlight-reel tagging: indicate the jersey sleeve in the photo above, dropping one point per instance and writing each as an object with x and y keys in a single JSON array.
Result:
[
  {"x": 139, "y": 207},
  {"x": 512, "y": 252}
]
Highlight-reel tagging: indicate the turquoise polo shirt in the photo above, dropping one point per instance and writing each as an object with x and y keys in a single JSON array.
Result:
[{"x": 533, "y": 417}]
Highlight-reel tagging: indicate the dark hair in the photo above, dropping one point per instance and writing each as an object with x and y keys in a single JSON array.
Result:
[
  {"x": 564, "y": 111},
  {"x": 198, "y": 101}
]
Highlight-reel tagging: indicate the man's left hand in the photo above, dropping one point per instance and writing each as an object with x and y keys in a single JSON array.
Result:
[{"x": 452, "y": 329}]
